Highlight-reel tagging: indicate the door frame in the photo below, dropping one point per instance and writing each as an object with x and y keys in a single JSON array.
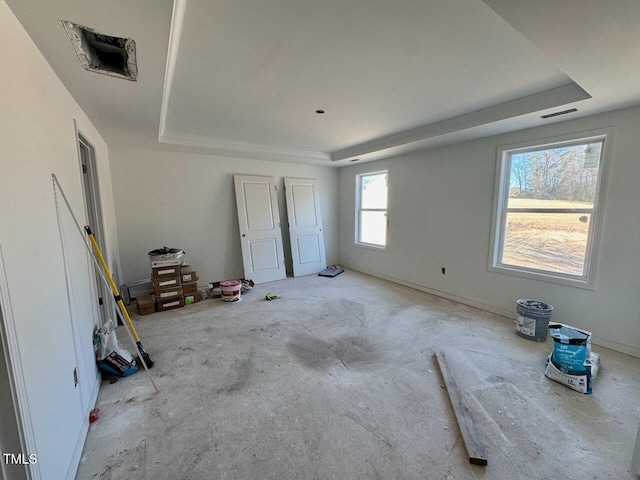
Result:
[
  {"x": 92, "y": 195},
  {"x": 17, "y": 382}
]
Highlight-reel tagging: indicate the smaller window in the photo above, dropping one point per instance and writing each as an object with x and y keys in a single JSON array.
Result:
[
  {"x": 371, "y": 209},
  {"x": 549, "y": 209}
]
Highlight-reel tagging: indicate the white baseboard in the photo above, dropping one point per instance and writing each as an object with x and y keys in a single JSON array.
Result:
[
  {"x": 465, "y": 301},
  {"x": 617, "y": 347},
  {"x": 601, "y": 342}
]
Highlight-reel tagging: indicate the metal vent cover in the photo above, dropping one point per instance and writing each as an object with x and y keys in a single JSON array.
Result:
[{"x": 556, "y": 114}]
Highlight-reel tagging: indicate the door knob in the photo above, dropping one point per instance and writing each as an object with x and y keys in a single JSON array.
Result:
[{"x": 243, "y": 235}]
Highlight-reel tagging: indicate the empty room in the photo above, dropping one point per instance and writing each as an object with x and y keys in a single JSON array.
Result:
[{"x": 354, "y": 239}]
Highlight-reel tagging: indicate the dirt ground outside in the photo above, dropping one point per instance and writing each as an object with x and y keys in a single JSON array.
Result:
[{"x": 547, "y": 241}]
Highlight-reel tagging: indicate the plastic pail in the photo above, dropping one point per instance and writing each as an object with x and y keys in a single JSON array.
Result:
[
  {"x": 532, "y": 319},
  {"x": 230, "y": 290}
]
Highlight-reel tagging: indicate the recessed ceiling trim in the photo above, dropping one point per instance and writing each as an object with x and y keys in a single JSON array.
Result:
[
  {"x": 177, "y": 21},
  {"x": 251, "y": 149},
  {"x": 521, "y": 106}
]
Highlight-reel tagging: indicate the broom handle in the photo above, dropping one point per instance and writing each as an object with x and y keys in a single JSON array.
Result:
[
  {"x": 137, "y": 344},
  {"x": 114, "y": 289}
]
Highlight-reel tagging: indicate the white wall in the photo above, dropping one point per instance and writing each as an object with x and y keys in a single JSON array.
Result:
[
  {"x": 187, "y": 200},
  {"x": 53, "y": 324},
  {"x": 440, "y": 209}
]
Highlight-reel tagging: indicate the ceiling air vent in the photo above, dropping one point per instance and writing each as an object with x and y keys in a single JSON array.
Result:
[
  {"x": 557, "y": 114},
  {"x": 103, "y": 53}
]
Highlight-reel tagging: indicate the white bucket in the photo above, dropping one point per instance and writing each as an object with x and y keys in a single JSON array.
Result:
[{"x": 230, "y": 290}]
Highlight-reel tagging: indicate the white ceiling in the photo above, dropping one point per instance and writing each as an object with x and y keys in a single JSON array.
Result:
[{"x": 244, "y": 77}]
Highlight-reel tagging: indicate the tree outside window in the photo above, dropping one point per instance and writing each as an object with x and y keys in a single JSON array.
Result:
[{"x": 549, "y": 200}]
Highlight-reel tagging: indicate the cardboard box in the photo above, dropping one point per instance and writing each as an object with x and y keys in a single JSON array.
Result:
[
  {"x": 164, "y": 253},
  {"x": 170, "y": 303},
  {"x": 190, "y": 288},
  {"x": 190, "y": 292},
  {"x": 134, "y": 289},
  {"x": 167, "y": 293},
  {"x": 166, "y": 282},
  {"x": 189, "y": 277},
  {"x": 164, "y": 272},
  {"x": 188, "y": 274},
  {"x": 146, "y": 305},
  {"x": 189, "y": 299},
  {"x": 147, "y": 310},
  {"x": 166, "y": 263}
]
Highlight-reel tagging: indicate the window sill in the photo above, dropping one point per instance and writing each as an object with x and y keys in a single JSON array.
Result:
[
  {"x": 544, "y": 277},
  {"x": 370, "y": 246}
]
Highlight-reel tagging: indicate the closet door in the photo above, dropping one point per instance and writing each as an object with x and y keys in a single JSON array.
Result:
[
  {"x": 305, "y": 226},
  {"x": 260, "y": 235}
]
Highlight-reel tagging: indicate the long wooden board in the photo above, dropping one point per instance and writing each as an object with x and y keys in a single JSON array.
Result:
[
  {"x": 636, "y": 456},
  {"x": 474, "y": 447}
]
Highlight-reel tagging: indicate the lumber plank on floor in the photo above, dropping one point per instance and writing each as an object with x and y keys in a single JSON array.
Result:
[
  {"x": 636, "y": 455},
  {"x": 475, "y": 449}
]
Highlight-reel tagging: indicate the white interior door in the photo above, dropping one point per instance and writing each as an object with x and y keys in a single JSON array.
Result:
[
  {"x": 260, "y": 234},
  {"x": 305, "y": 226}
]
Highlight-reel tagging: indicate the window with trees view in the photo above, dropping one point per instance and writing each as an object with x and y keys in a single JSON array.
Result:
[
  {"x": 371, "y": 209},
  {"x": 547, "y": 210}
]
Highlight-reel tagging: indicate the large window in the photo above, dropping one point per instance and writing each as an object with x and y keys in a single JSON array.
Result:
[
  {"x": 548, "y": 210},
  {"x": 371, "y": 209}
]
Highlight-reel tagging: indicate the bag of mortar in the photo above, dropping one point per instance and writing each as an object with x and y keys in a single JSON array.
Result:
[
  {"x": 571, "y": 361},
  {"x": 111, "y": 356}
]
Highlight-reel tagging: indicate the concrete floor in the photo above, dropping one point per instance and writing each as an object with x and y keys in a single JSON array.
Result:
[{"x": 337, "y": 380}]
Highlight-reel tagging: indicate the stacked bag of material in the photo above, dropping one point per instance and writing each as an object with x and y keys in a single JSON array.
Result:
[
  {"x": 111, "y": 356},
  {"x": 572, "y": 363}
]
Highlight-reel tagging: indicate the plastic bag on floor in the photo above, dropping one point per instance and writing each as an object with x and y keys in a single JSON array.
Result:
[
  {"x": 571, "y": 362},
  {"x": 111, "y": 356}
]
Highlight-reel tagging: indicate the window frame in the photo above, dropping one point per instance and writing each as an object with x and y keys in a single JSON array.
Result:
[
  {"x": 500, "y": 201},
  {"x": 359, "y": 209}
]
